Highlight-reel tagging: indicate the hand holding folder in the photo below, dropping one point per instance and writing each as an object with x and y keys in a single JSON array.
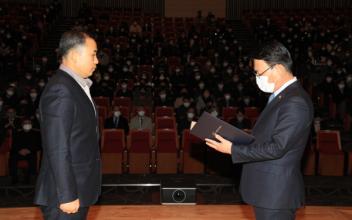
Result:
[
  {"x": 219, "y": 134},
  {"x": 208, "y": 125}
]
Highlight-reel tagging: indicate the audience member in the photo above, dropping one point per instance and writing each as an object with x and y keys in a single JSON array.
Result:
[
  {"x": 141, "y": 121},
  {"x": 117, "y": 120},
  {"x": 26, "y": 143}
]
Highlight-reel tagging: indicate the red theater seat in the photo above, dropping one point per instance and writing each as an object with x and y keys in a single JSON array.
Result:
[
  {"x": 192, "y": 153},
  {"x": 113, "y": 151},
  {"x": 140, "y": 151},
  {"x": 331, "y": 156},
  {"x": 166, "y": 146}
]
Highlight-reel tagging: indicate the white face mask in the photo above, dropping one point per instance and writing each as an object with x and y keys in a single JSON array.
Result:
[
  {"x": 190, "y": 115},
  {"x": 33, "y": 95},
  {"x": 141, "y": 113},
  {"x": 214, "y": 113},
  {"x": 117, "y": 113},
  {"x": 264, "y": 85},
  {"x": 27, "y": 127}
]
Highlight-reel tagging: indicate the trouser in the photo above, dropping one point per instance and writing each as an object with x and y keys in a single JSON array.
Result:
[
  {"x": 54, "y": 213},
  {"x": 274, "y": 214}
]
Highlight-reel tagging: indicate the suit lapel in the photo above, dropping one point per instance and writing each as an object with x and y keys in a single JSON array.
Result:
[
  {"x": 280, "y": 97},
  {"x": 79, "y": 90}
]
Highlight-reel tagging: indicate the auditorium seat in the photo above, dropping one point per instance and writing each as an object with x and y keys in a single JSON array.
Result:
[
  {"x": 347, "y": 123},
  {"x": 122, "y": 101},
  {"x": 309, "y": 159},
  {"x": 229, "y": 113},
  {"x": 166, "y": 146},
  {"x": 125, "y": 111},
  {"x": 192, "y": 153},
  {"x": 102, "y": 111},
  {"x": 102, "y": 101},
  {"x": 251, "y": 113},
  {"x": 4, "y": 154},
  {"x": 140, "y": 154},
  {"x": 165, "y": 122},
  {"x": 331, "y": 156},
  {"x": 161, "y": 111},
  {"x": 113, "y": 151}
]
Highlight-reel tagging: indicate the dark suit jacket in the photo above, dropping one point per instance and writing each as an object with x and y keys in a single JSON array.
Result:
[
  {"x": 271, "y": 176},
  {"x": 71, "y": 166},
  {"x": 122, "y": 123}
]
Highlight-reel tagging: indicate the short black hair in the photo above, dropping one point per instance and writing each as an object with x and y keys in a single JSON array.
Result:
[
  {"x": 272, "y": 53},
  {"x": 71, "y": 39}
]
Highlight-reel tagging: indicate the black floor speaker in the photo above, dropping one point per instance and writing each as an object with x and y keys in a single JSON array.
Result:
[{"x": 178, "y": 192}]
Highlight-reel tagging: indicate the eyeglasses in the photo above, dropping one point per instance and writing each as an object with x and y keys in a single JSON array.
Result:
[{"x": 259, "y": 74}]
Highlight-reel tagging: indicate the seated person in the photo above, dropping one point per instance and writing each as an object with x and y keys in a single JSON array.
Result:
[
  {"x": 11, "y": 121},
  {"x": 117, "y": 120},
  {"x": 141, "y": 121},
  {"x": 185, "y": 123},
  {"x": 240, "y": 121},
  {"x": 164, "y": 99},
  {"x": 26, "y": 143}
]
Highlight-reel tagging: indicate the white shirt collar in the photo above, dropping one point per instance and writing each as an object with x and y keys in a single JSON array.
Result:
[
  {"x": 284, "y": 86},
  {"x": 81, "y": 81}
]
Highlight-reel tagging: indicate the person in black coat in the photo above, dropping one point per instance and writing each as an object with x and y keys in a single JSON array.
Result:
[
  {"x": 26, "y": 143},
  {"x": 117, "y": 120},
  {"x": 240, "y": 121}
]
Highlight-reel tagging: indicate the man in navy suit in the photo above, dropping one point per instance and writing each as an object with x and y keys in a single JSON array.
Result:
[
  {"x": 70, "y": 175},
  {"x": 117, "y": 120},
  {"x": 271, "y": 178}
]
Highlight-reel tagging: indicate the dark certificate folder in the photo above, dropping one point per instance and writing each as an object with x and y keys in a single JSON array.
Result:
[{"x": 207, "y": 125}]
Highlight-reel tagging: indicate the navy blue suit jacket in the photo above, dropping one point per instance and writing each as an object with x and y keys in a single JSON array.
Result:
[
  {"x": 71, "y": 166},
  {"x": 271, "y": 176}
]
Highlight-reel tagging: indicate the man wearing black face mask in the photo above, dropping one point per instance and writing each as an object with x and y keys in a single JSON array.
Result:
[{"x": 25, "y": 145}]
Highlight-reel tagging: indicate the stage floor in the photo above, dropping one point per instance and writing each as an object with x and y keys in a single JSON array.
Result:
[{"x": 173, "y": 212}]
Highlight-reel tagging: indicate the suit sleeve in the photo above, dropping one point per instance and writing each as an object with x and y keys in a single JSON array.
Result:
[
  {"x": 293, "y": 119},
  {"x": 57, "y": 120}
]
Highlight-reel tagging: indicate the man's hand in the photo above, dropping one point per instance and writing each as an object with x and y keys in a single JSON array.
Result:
[
  {"x": 70, "y": 207},
  {"x": 223, "y": 146}
]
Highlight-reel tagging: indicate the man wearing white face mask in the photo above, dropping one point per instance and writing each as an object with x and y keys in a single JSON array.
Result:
[
  {"x": 185, "y": 122},
  {"x": 25, "y": 145},
  {"x": 117, "y": 120},
  {"x": 271, "y": 178},
  {"x": 141, "y": 121}
]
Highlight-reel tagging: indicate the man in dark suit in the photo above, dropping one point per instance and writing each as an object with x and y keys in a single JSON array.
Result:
[
  {"x": 271, "y": 178},
  {"x": 70, "y": 175},
  {"x": 117, "y": 120},
  {"x": 240, "y": 121},
  {"x": 25, "y": 145}
]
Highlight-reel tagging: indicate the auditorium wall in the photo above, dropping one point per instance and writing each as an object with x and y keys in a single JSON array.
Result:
[
  {"x": 188, "y": 8},
  {"x": 231, "y": 9}
]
